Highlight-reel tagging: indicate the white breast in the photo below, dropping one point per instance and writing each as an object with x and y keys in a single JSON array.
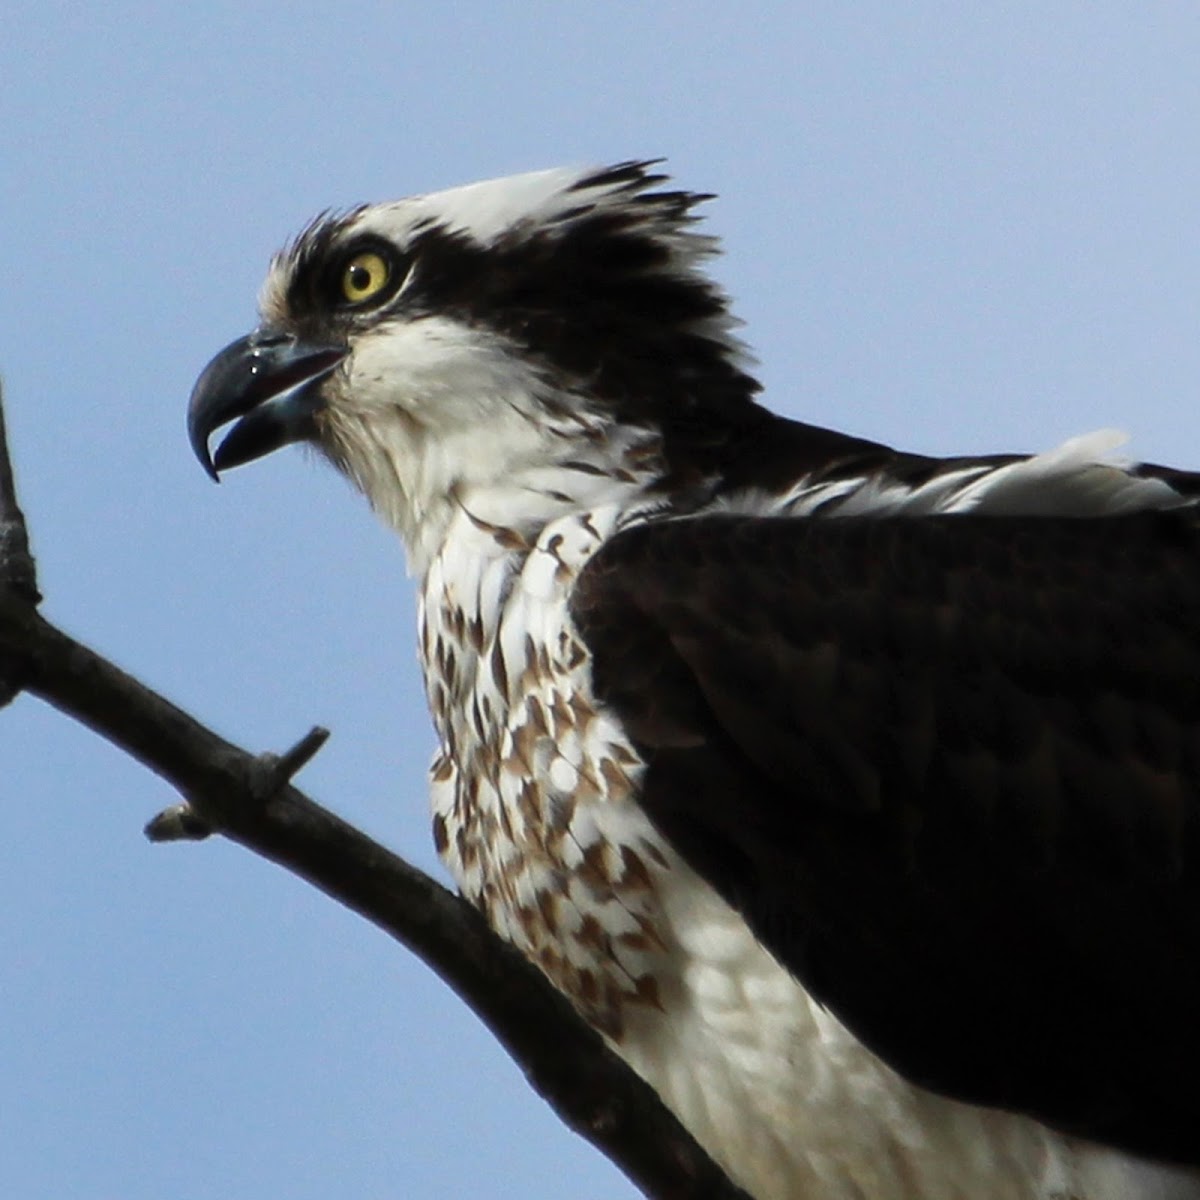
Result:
[{"x": 793, "y": 1105}]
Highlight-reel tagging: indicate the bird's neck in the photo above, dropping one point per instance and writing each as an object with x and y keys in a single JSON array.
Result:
[
  {"x": 483, "y": 526},
  {"x": 491, "y": 495}
]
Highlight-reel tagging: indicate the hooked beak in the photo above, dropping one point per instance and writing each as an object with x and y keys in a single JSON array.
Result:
[{"x": 271, "y": 381}]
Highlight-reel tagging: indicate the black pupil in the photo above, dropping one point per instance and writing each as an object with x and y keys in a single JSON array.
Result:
[{"x": 360, "y": 278}]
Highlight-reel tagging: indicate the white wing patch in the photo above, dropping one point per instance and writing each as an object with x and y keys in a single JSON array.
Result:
[{"x": 1080, "y": 478}]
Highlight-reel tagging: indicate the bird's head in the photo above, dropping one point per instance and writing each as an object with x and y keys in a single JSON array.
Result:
[{"x": 504, "y": 346}]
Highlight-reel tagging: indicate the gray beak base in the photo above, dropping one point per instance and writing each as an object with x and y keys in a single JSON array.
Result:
[{"x": 268, "y": 380}]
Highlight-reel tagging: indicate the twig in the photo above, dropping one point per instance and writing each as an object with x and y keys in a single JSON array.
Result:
[
  {"x": 178, "y": 823},
  {"x": 181, "y": 822},
  {"x": 276, "y": 770},
  {"x": 250, "y": 800}
]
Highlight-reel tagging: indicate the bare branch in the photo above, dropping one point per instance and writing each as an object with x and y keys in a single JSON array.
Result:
[{"x": 250, "y": 800}]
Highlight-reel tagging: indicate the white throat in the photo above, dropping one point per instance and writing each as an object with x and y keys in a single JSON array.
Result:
[{"x": 434, "y": 421}]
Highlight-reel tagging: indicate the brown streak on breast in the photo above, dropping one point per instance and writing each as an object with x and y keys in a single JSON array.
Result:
[
  {"x": 478, "y": 723},
  {"x": 467, "y": 848},
  {"x": 593, "y": 871},
  {"x": 637, "y": 942},
  {"x": 499, "y": 671},
  {"x": 612, "y": 1006},
  {"x": 537, "y": 716},
  {"x": 530, "y": 809},
  {"x": 624, "y": 755},
  {"x": 584, "y": 713},
  {"x": 562, "y": 813},
  {"x": 587, "y": 788},
  {"x": 550, "y": 960},
  {"x": 515, "y": 866},
  {"x": 646, "y": 993},
  {"x": 529, "y": 678},
  {"x": 650, "y": 931},
  {"x": 589, "y": 990},
  {"x": 502, "y": 535},
  {"x": 635, "y": 876},
  {"x": 527, "y": 920},
  {"x": 564, "y": 718},
  {"x": 456, "y": 621},
  {"x": 524, "y": 743},
  {"x": 616, "y": 782},
  {"x": 548, "y": 904},
  {"x": 506, "y": 824},
  {"x": 475, "y": 633},
  {"x": 591, "y": 934},
  {"x": 441, "y": 839}
]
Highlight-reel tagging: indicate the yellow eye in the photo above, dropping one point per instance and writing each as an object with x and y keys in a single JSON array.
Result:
[{"x": 366, "y": 275}]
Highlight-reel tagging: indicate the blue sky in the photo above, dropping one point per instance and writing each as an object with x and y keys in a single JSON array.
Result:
[{"x": 954, "y": 227}]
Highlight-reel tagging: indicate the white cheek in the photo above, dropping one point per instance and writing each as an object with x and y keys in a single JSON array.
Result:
[
  {"x": 439, "y": 374},
  {"x": 428, "y": 415}
]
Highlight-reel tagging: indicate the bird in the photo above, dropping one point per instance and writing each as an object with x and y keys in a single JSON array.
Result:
[{"x": 850, "y": 792}]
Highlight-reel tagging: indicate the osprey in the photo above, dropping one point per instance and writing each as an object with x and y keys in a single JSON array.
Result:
[{"x": 851, "y": 793}]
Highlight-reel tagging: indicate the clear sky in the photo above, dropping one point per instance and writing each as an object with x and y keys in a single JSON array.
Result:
[{"x": 955, "y": 227}]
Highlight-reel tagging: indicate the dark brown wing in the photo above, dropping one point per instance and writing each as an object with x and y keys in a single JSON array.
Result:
[{"x": 948, "y": 769}]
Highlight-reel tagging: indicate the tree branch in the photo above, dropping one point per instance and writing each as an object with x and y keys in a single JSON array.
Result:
[
  {"x": 18, "y": 576},
  {"x": 250, "y": 800}
]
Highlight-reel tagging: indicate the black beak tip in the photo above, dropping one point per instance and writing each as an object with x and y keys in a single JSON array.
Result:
[
  {"x": 267, "y": 384},
  {"x": 200, "y": 449},
  {"x": 209, "y": 404}
]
